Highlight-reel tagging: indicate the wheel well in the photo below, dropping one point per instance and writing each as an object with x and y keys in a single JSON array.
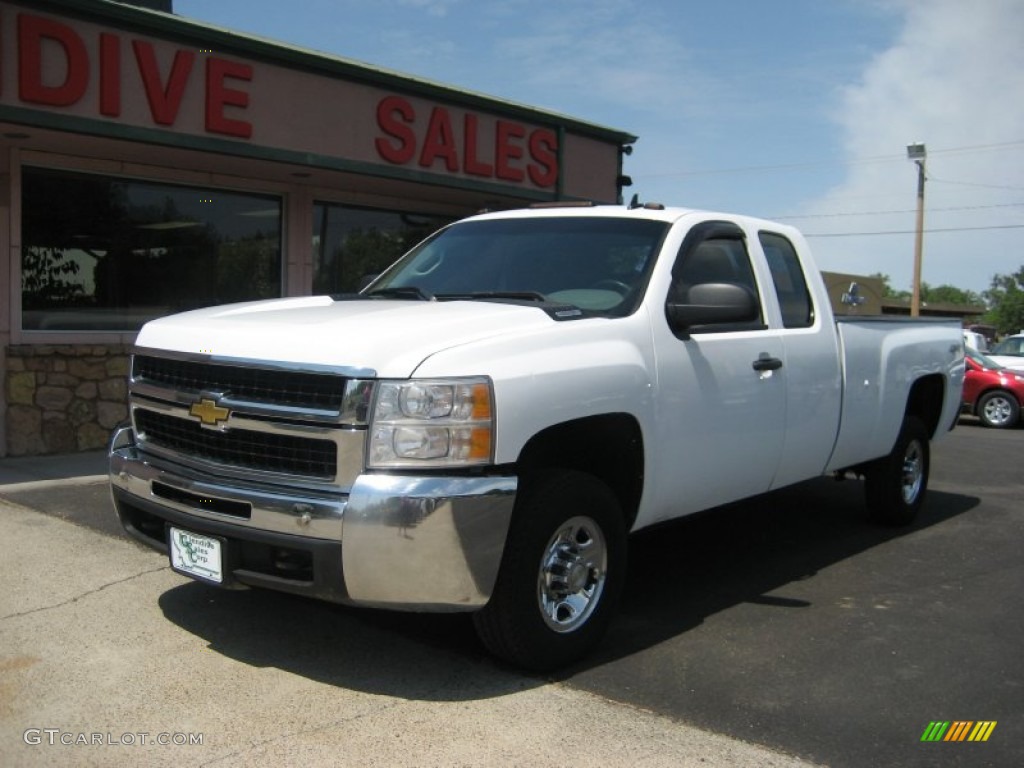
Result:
[
  {"x": 609, "y": 446},
  {"x": 925, "y": 401}
]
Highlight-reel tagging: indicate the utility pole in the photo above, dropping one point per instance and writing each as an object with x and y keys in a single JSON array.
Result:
[{"x": 918, "y": 153}]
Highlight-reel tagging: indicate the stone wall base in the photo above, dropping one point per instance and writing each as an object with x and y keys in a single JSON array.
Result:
[{"x": 63, "y": 398}]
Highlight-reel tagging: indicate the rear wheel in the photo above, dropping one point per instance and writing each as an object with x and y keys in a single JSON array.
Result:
[
  {"x": 998, "y": 409},
  {"x": 895, "y": 485},
  {"x": 561, "y": 573}
]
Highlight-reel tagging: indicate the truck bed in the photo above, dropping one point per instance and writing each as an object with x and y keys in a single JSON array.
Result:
[{"x": 883, "y": 355}]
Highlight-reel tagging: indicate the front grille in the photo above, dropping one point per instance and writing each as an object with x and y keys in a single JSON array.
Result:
[
  {"x": 318, "y": 391},
  {"x": 244, "y": 448}
]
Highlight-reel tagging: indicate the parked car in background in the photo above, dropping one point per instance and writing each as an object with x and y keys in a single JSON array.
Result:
[
  {"x": 975, "y": 340},
  {"x": 1009, "y": 352},
  {"x": 991, "y": 392}
]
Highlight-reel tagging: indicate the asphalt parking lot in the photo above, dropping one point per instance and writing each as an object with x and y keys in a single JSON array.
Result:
[{"x": 785, "y": 624}]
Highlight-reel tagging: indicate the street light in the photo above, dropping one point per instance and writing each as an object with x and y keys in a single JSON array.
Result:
[{"x": 918, "y": 153}]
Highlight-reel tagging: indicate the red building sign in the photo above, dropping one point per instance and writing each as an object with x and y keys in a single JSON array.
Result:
[
  {"x": 123, "y": 76},
  {"x": 56, "y": 68}
]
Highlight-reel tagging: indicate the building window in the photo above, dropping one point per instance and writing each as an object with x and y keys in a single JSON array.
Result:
[
  {"x": 350, "y": 244},
  {"x": 101, "y": 253}
]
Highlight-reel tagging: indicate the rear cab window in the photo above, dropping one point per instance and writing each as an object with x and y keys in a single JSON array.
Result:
[{"x": 788, "y": 280}]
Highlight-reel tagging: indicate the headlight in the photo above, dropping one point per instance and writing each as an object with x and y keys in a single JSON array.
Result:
[{"x": 432, "y": 423}]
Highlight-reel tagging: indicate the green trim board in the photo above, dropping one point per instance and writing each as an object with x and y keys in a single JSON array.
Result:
[{"x": 104, "y": 129}]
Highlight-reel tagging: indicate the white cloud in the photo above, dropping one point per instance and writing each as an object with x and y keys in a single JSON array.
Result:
[
  {"x": 953, "y": 80},
  {"x": 624, "y": 62}
]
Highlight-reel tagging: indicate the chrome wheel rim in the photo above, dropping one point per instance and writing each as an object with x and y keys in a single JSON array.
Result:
[
  {"x": 913, "y": 472},
  {"x": 997, "y": 411},
  {"x": 572, "y": 574}
]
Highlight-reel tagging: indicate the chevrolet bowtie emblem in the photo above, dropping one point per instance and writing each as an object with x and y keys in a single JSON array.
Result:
[{"x": 208, "y": 412}]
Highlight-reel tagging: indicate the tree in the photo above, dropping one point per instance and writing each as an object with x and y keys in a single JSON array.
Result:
[
  {"x": 48, "y": 278},
  {"x": 948, "y": 294},
  {"x": 1005, "y": 299},
  {"x": 887, "y": 290},
  {"x": 937, "y": 294}
]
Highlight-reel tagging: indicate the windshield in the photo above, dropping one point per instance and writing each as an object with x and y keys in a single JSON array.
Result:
[
  {"x": 1013, "y": 345},
  {"x": 598, "y": 265}
]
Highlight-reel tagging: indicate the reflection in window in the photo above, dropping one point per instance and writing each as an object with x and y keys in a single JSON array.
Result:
[
  {"x": 351, "y": 243},
  {"x": 592, "y": 263},
  {"x": 103, "y": 253}
]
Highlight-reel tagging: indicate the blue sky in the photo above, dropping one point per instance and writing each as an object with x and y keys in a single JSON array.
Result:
[{"x": 797, "y": 110}]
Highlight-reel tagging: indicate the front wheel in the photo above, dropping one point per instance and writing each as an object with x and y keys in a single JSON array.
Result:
[
  {"x": 895, "y": 485},
  {"x": 561, "y": 573},
  {"x": 998, "y": 409}
]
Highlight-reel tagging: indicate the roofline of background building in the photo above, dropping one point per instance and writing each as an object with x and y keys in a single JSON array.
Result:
[{"x": 967, "y": 310}]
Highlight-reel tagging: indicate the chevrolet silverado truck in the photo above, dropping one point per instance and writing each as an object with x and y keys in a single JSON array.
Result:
[{"x": 482, "y": 427}]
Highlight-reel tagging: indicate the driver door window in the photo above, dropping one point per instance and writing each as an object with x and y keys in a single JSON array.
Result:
[{"x": 714, "y": 253}]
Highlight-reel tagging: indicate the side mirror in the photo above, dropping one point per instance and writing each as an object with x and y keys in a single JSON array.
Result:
[{"x": 712, "y": 304}]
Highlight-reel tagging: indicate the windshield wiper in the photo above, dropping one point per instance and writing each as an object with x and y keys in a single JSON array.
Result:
[
  {"x": 521, "y": 295},
  {"x": 403, "y": 292},
  {"x": 557, "y": 310}
]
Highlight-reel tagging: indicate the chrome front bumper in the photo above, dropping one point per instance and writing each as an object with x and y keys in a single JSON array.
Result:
[{"x": 406, "y": 542}]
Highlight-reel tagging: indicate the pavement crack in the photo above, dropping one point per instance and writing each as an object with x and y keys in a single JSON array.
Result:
[
  {"x": 280, "y": 737},
  {"x": 83, "y": 595}
]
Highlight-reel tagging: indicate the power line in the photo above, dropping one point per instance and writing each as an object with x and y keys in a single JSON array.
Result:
[
  {"x": 975, "y": 184},
  {"x": 977, "y": 148},
  {"x": 910, "y": 231},
  {"x": 904, "y": 210},
  {"x": 760, "y": 168},
  {"x": 825, "y": 163}
]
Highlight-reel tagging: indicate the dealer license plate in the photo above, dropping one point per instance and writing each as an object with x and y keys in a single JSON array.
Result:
[{"x": 196, "y": 555}]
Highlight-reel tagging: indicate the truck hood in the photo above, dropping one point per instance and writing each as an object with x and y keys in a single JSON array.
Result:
[{"x": 377, "y": 337}]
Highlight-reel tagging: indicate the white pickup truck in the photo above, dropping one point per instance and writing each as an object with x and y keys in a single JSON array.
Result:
[{"x": 481, "y": 428}]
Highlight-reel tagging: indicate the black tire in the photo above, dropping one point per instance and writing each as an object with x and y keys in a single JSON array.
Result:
[
  {"x": 561, "y": 573},
  {"x": 895, "y": 486},
  {"x": 998, "y": 409}
]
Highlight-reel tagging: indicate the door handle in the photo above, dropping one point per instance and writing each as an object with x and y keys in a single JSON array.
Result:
[{"x": 767, "y": 363}]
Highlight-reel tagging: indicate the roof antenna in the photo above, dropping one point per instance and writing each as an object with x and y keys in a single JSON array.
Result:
[{"x": 635, "y": 202}]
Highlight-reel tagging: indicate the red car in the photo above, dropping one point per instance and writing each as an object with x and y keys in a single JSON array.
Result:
[{"x": 991, "y": 392}]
